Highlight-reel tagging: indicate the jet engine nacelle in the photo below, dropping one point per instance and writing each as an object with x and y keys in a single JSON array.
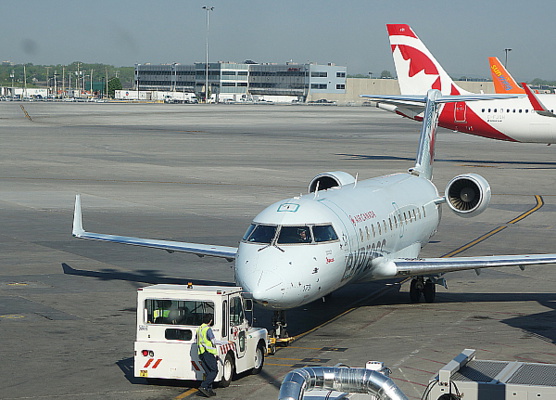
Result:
[
  {"x": 328, "y": 180},
  {"x": 467, "y": 195}
]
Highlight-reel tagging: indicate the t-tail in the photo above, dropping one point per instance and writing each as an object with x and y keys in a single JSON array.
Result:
[
  {"x": 427, "y": 140},
  {"x": 417, "y": 69}
]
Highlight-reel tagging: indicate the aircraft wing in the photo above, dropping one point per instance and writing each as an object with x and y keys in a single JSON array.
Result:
[
  {"x": 433, "y": 266},
  {"x": 201, "y": 250}
]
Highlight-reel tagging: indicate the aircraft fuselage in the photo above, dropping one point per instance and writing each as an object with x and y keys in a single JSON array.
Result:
[
  {"x": 373, "y": 221},
  {"x": 511, "y": 120}
]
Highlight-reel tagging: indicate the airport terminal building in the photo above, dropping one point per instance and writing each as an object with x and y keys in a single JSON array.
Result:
[{"x": 235, "y": 81}]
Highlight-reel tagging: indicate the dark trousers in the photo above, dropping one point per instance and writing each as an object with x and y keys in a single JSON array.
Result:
[{"x": 208, "y": 361}]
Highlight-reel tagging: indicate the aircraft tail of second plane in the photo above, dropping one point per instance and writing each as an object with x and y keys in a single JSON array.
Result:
[{"x": 417, "y": 69}]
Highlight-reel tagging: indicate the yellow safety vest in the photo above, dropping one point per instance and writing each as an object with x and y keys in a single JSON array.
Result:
[{"x": 203, "y": 343}]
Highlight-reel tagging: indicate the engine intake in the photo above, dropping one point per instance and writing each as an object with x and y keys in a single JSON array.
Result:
[
  {"x": 328, "y": 180},
  {"x": 468, "y": 195}
]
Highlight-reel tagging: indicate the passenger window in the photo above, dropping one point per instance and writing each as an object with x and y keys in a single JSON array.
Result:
[
  {"x": 368, "y": 234},
  {"x": 373, "y": 229},
  {"x": 294, "y": 234},
  {"x": 324, "y": 233},
  {"x": 424, "y": 213},
  {"x": 262, "y": 234}
]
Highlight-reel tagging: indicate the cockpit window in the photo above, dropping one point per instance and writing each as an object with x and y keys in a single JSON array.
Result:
[
  {"x": 324, "y": 233},
  {"x": 262, "y": 234},
  {"x": 294, "y": 234},
  {"x": 249, "y": 231}
]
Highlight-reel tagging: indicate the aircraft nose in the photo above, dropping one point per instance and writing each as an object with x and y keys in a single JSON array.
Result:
[{"x": 266, "y": 287}]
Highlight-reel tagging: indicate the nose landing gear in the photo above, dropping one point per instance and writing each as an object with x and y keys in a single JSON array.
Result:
[{"x": 279, "y": 335}]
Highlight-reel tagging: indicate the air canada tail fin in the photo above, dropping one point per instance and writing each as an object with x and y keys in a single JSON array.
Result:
[
  {"x": 503, "y": 81},
  {"x": 417, "y": 69}
]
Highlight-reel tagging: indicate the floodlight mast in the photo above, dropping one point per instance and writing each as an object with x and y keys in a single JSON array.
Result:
[{"x": 208, "y": 9}]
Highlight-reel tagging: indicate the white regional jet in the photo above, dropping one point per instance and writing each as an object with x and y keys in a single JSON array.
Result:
[
  {"x": 301, "y": 249},
  {"x": 511, "y": 119}
]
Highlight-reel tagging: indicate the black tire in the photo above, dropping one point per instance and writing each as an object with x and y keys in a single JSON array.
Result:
[
  {"x": 448, "y": 396},
  {"x": 259, "y": 359},
  {"x": 228, "y": 371},
  {"x": 414, "y": 292},
  {"x": 429, "y": 292}
]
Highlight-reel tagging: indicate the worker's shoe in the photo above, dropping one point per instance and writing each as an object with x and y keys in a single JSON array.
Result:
[
  {"x": 205, "y": 392},
  {"x": 212, "y": 392}
]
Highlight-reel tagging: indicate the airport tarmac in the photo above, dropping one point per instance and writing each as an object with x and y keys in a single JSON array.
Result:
[{"x": 200, "y": 173}]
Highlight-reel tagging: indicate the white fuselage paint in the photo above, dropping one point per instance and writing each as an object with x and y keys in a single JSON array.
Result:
[
  {"x": 515, "y": 118},
  {"x": 376, "y": 220}
]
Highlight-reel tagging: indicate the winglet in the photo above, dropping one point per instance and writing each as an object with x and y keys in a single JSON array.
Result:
[
  {"x": 78, "y": 230},
  {"x": 503, "y": 81},
  {"x": 538, "y": 106}
]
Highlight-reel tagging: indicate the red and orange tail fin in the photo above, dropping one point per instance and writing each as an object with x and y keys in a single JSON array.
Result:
[{"x": 503, "y": 81}]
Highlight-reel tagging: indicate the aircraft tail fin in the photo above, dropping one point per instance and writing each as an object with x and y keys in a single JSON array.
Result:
[
  {"x": 536, "y": 102},
  {"x": 417, "y": 69},
  {"x": 427, "y": 139},
  {"x": 503, "y": 81},
  {"x": 77, "y": 230}
]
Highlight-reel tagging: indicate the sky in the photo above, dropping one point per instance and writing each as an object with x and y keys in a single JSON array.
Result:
[{"x": 461, "y": 34}]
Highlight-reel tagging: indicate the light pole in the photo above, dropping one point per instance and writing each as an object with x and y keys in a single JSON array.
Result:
[
  {"x": 507, "y": 50},
  {"x": 208, "y": 10},
  {"x": 12, "y": 75}
]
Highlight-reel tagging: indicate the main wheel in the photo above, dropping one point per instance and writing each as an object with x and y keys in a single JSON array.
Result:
[
  {"x": 429, "y": 291},
  {"x": 259, "y": 359},
  {"x": 414, "y": 291},
  {"x": 228, "y": 371}
]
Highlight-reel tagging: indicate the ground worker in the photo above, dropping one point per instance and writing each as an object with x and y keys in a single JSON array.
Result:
[{"x": 207, "y": 354}]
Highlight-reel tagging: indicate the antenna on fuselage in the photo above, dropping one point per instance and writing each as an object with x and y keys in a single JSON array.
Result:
[
  {"x": 356, "y": 177},
  {"x": 317, "y": 190}
]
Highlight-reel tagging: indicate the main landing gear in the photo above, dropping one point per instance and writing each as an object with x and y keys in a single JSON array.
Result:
[
  {"x": 421, "y": 286},
  {"x": 278, "y": 335}
]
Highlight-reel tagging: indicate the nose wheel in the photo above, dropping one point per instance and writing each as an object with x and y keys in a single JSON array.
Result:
[{"x": 279, "y": 335}]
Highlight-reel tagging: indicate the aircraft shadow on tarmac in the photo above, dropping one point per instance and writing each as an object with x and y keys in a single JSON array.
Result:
[
  {"x": 310, "y": 316},
  {"x": 521, "y": 164},
  {"x": 152, "y": 277}
]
